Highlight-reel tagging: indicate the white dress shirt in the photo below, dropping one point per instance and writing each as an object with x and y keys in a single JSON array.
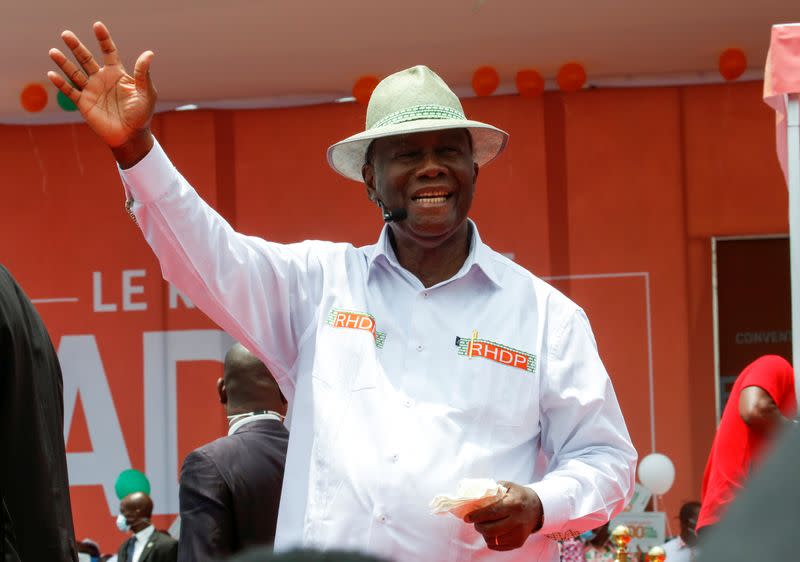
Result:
[
  {"x": 240, "y": 421},
  {"x": 678, "y": 551},
  {"x": 398, "y": 391},
  {"x": 141, "y": 541}
]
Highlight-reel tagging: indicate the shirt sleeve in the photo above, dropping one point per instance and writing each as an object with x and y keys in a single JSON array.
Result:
[
  {"x": 590, "y": 474},
  {"x": 775, "y": 375},
  {"x": 263, "y": 294}
]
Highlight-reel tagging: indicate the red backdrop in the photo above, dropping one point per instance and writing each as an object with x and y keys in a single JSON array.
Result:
[{"x": 630, "y": 182}]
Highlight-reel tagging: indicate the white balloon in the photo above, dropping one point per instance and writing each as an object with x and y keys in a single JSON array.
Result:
[{"x": 657, "y": 473}]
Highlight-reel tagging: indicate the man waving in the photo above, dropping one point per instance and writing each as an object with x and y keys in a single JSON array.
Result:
[{"x": 409, "y": 364}]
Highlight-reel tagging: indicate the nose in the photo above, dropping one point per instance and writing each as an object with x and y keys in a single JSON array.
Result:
[{"x": 430, "y": 166}]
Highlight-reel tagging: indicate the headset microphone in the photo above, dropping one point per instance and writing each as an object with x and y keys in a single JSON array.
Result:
[{"x": 392, "y": 215}]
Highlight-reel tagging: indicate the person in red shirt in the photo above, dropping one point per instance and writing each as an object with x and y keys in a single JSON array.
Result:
[{"x": 762, "y": 399}]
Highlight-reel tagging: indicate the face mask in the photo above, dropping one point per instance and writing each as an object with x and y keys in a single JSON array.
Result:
[
  {"x": 586, "y": 536},
  {"x": 122, "y": 524}
]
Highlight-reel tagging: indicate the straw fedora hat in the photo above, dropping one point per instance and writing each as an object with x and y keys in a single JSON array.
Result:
[{"x": 414, "y": 100}]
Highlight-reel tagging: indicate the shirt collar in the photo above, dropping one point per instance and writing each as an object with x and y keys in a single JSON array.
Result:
[
  {"x": 144, "y": 535},
  {"x": 479, "y": 257},
  {"x": 250, "y": 419}
]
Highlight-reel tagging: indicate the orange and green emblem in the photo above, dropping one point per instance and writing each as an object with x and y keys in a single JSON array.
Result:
[
  {"x": 475, "y": 347},
  {"x": 339, "y": 318}
]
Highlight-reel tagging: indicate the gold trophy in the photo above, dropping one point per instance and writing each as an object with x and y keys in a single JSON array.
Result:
[
  {"x": 621, "y": 536},
  {"x": 656, "y": 554}
]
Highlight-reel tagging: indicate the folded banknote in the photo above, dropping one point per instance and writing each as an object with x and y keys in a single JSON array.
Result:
[{"x": 471, "y": 494}]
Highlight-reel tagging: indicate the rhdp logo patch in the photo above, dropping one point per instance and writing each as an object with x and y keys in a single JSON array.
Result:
[
  {"x": 474, "y": 347},
  {"x": 356, "y": 321}
]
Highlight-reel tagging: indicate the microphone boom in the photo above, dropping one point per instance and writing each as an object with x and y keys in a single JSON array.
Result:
[
  {"x": 392, "y": 215},
  {"x": 395, "y": 215}
]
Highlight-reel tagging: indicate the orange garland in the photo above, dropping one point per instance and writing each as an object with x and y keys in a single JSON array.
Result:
[
  {"x": 33, "y": 98},
  {"x": 485, "y": 81},
  {"x": 571, "y": 77},
  {"x": 363, "y": 88},
  {"x": 732, "y": 64},
  {"x": 529, "y": 83}
]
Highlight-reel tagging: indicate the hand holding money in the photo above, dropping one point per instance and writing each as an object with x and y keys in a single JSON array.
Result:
[{"x": 471, "y": 494}]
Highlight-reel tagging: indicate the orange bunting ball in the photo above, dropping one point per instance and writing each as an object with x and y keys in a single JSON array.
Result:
[
  {"x": 530, "y": 83},
  {"x": 33, "y": 98},
  {"x": 732, "y": 64},
  {"x": 485, "y": 81},
  {"x": 363, "y": 88},
  {"x": 571, "y": 77}
]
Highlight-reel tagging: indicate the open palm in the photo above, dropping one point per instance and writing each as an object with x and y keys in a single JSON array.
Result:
[{"x": 114, "y": 104}]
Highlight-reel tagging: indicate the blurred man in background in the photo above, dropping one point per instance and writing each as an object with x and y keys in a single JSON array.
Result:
[
  {"x": 682, "y": 547},
  {"x": 230, "y": 489},
  {"x": 762, "y": 400},
  {"x": 146, "y": 544},
  {"x": 88, "y": 551}
]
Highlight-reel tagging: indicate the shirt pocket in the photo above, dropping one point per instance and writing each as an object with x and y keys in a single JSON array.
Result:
[
  {"x": 497, "y": 394},
  {"x": 346, "y": 360}
]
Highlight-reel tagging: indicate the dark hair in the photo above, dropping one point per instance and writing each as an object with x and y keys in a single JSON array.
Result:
[
  {"x": 687, "y": 510},
  {"x": 368, "y": 155},
  {"x": 89, "y": 547},
  {"x": 265, "y": 554}
]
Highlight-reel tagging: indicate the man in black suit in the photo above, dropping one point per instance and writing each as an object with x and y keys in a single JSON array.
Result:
[
  {"x": 35, "y": 513},
  {"x": 230, "y": 489},
  {"x": 146, "y": 544}
]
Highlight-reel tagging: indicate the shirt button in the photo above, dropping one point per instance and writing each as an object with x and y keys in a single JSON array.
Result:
[
  {"x": 382, "y": 518},
  {"x": 408, "y": 402},
  {"x": 395, "y": 458},
  {"x": 420, "y": 347},
  {"x": 425, "y": 294}
]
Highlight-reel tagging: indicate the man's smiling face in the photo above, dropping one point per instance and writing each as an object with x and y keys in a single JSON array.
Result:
[{"x": 431, "y": 175}]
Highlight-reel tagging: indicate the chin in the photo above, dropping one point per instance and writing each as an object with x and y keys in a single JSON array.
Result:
[{"x": 432, "y": 234}]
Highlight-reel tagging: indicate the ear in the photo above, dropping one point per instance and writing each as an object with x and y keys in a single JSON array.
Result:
[
  {"x": 284, "y": 405},
  {"x": 368, "y": 175},
  {"x": 223, "y": 393}
]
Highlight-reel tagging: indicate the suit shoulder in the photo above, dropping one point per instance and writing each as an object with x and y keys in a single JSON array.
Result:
[
  {"x": 165, "y": 547},
  {"x": 248, "y": 436},
  {"x": 260, "y": 429},
  {"x": 163, "y": 541},
  {"x": 165, "y": 537},
  {"x": 204, "y": 459},
  {"x": 208, "y": 453}
]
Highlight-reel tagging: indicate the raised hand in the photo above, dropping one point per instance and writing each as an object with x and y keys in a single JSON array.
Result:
[{"x": 117, "y": 106}]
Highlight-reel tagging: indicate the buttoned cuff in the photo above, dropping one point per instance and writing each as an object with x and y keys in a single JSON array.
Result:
[
  {"x": 556, "y": 497},
  {"x": 151, "y": 178}
]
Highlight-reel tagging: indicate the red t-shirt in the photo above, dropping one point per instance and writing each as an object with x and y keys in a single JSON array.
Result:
[{"x": 735, "y": 446}]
